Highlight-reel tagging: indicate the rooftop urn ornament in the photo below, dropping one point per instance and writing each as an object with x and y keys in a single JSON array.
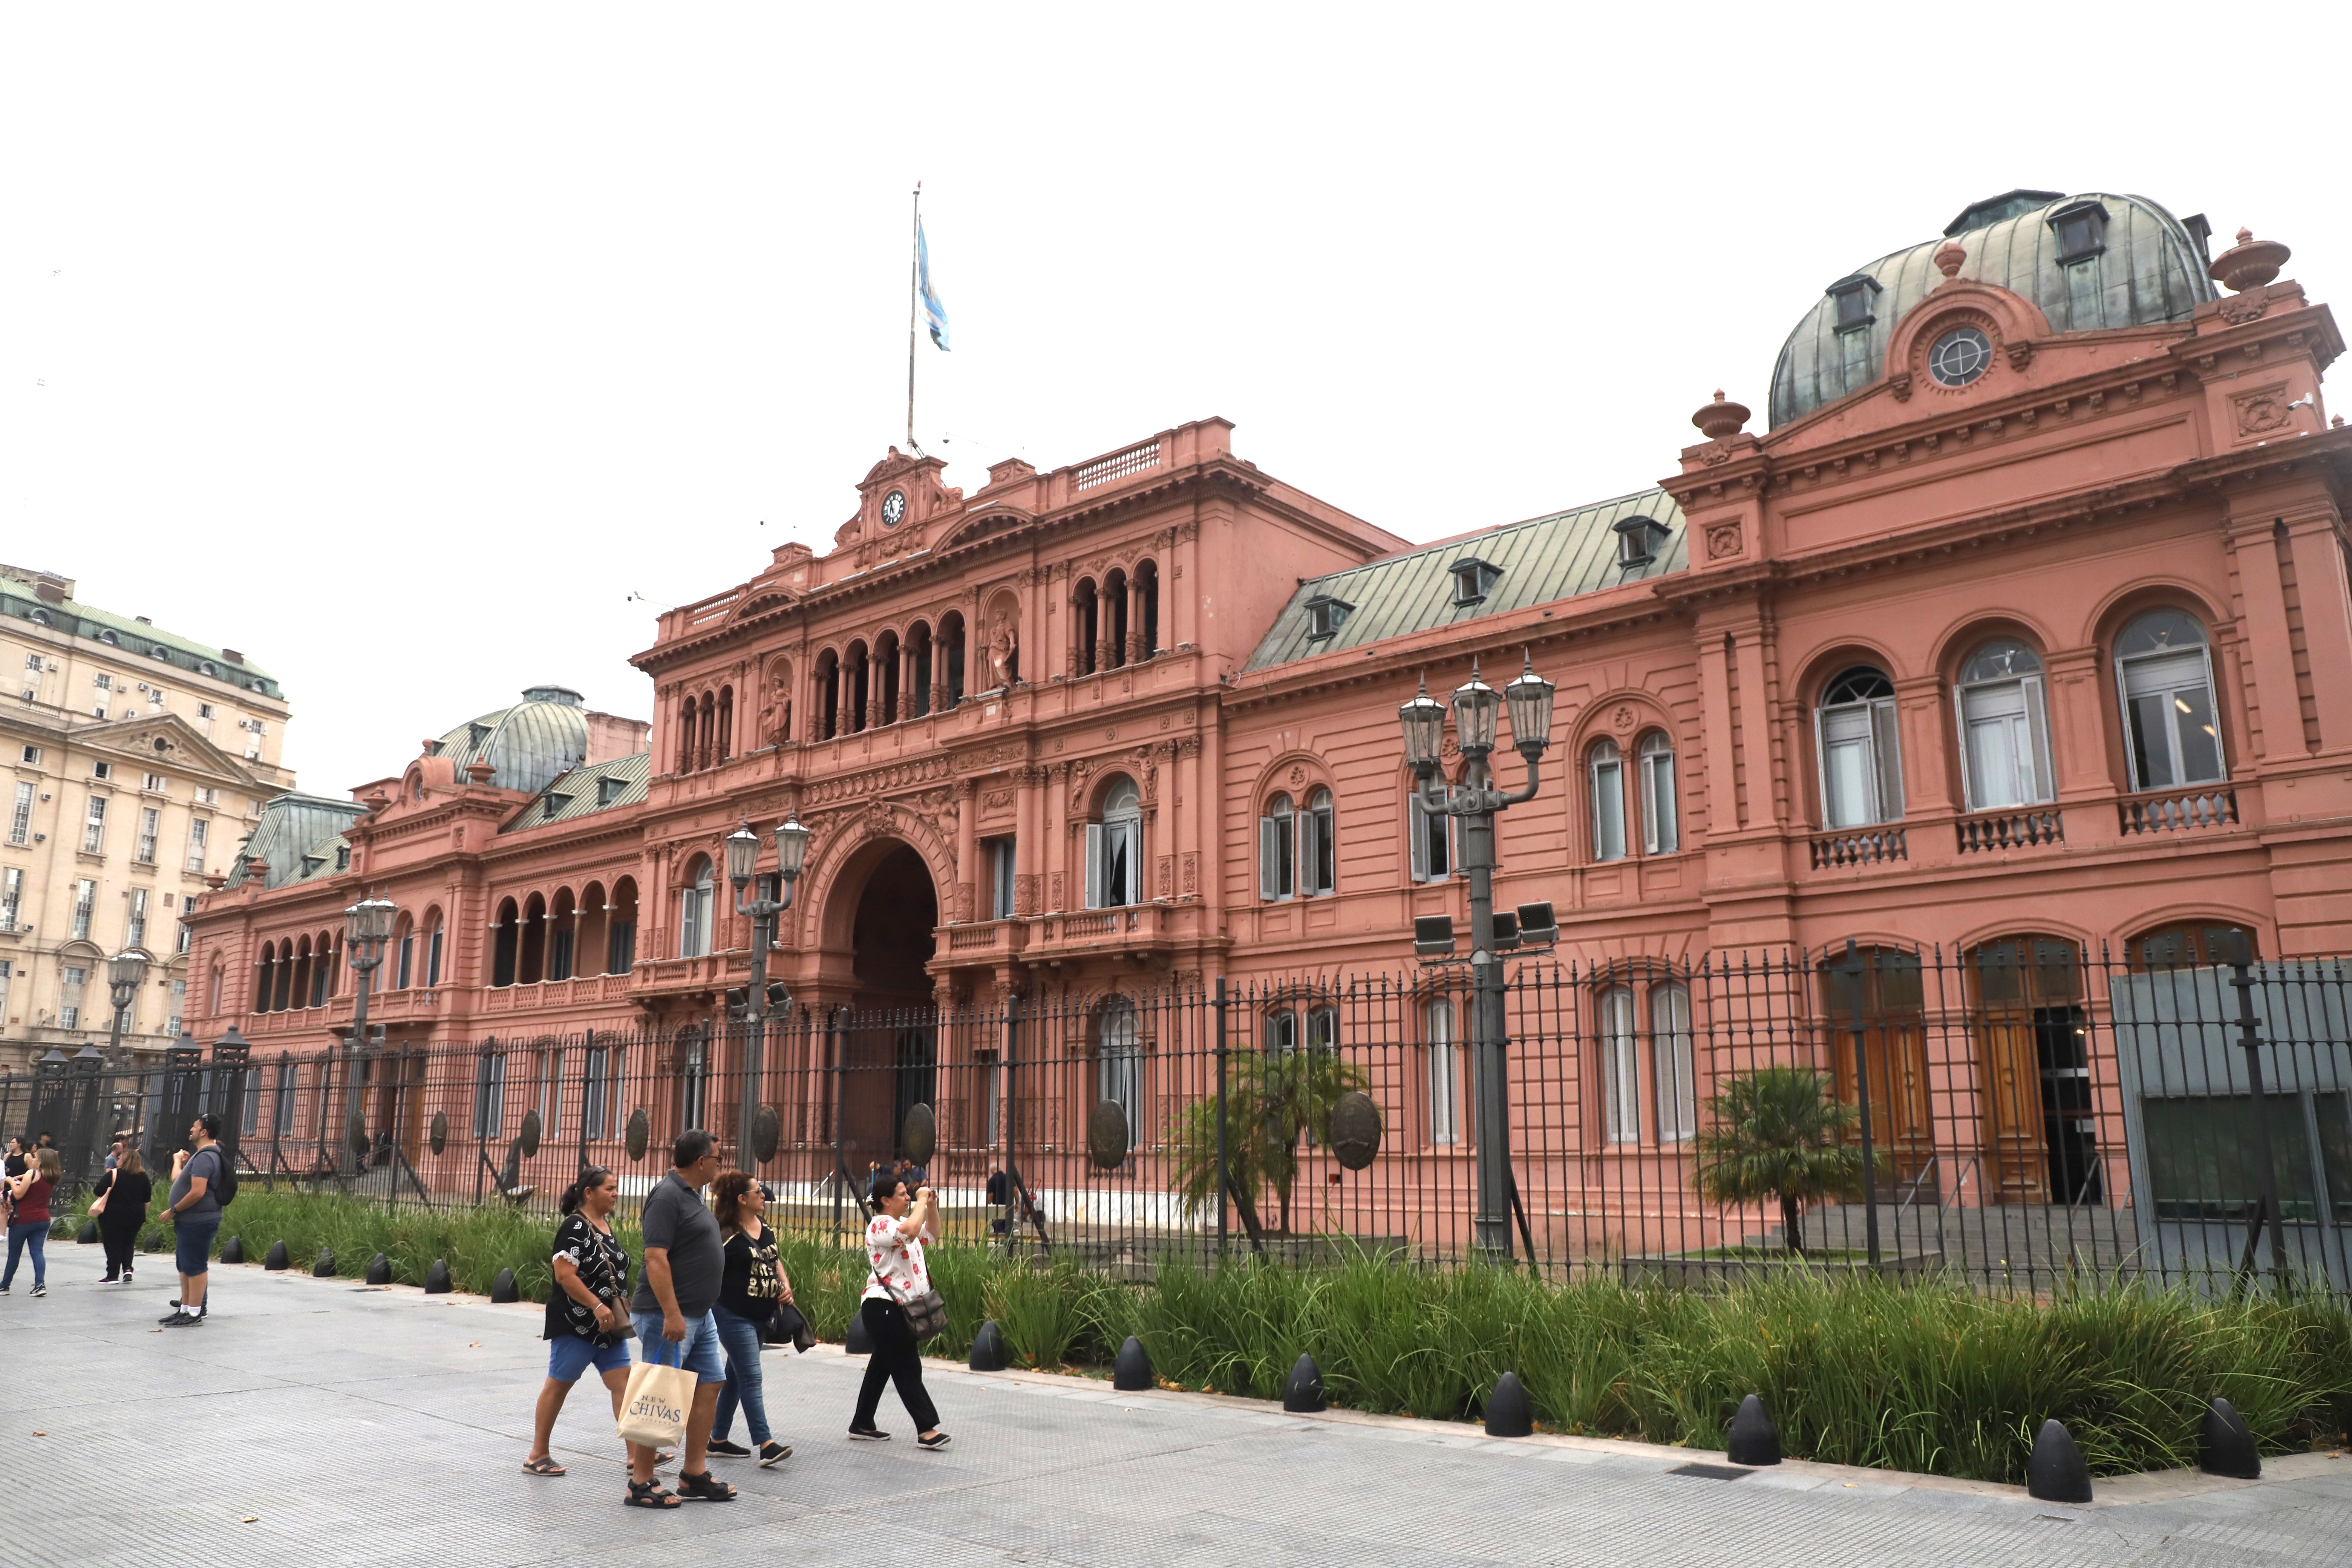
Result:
[
  {"x": 2249, "y": 264},
  {"x": 1720, "y": 420},
  {"x": 1949, "y": 259}
]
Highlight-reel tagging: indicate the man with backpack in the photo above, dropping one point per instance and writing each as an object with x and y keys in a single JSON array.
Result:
[{"x": 202, "y": 1182}]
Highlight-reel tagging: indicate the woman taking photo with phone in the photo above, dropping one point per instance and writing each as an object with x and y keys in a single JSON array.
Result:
[
  {"x": 587, "y": 1317},
  {"x": 895, "y": 1275}
]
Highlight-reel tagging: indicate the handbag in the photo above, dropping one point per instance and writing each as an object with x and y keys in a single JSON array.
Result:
[
  {"x": 654, "y": 1405},
  {"x": 926, "y": 1314},
  {"x": 786, "y": 1326}
]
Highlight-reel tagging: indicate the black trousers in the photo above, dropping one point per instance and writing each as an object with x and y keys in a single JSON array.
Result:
[
  {"x": 120, "y": 1246},
  {"x": 895, "y": 1360}
]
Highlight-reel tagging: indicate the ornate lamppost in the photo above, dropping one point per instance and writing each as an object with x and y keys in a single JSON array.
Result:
[
  {"x": 1473, "y": 803},
  {"x": 367, "y": 926},
  {"x": 126, "y": 972},
  {"x": 742, "y": 859}
]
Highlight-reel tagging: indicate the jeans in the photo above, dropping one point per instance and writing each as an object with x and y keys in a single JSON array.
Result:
[
  {"x": 895, "y": 1360},
  {"x": 192, "y": 1240},
  {"x": 740, "y": 1338},
  {"x": 37, "y": 1237}
]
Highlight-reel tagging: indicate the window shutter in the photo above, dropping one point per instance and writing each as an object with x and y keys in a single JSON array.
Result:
[
  {"x": 1094, "y": 865},
  {"x": 1887, "y": 750},
  {"x": 1266, "y": 854},
  {"x": 1417, "y": 821},
  {"x": 2037, "y": 729},
  {"x": 1131, "y": 888}
]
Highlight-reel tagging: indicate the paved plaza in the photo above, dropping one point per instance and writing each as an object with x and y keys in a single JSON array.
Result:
[{"x": 318, "y": 1421}]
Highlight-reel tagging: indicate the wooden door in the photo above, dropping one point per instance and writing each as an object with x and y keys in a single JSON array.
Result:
[{"x": 1876, "y": 999}]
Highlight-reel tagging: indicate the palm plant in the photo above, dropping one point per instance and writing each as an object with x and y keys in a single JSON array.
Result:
[
  {"x": 1273, "y": 1099},
  {"x": 1779, "y": 1132}
]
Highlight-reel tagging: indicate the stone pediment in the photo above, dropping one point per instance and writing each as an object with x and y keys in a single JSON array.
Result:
[{"x": 180, "y": 743}]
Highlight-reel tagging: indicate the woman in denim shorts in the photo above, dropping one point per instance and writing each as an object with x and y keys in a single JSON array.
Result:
[{"x": 587, "y": 1312}]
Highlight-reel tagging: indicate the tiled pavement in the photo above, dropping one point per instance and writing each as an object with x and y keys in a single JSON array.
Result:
[{"x": 316, "y": 1421}]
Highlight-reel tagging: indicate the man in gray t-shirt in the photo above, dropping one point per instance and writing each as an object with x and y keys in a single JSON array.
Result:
[{"x": 685, "y": 1260}]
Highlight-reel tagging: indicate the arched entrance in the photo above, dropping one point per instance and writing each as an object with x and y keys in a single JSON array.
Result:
[{"x": 886, "y": 1036}]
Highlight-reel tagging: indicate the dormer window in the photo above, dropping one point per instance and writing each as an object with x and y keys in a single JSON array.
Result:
[
  {"x": 2082, "y": 231},
  {"x": 109, "y": 639},
  {"x": 159, "y": 651},
  {"x": 1855, "y": 298},
  {"x": 552, "y": 805},
  {"x": 1325, "y": 616},
  {"x": 310, "y": 864},
  {"x": 207, "y": 667},
  {"x": 1473, "y": 579},
  {"x": 476, "y": 734},
  {"x": 1638, "y": 540},
  {"x": 342, "y": 857},
  {"x": 609, "y": 789}
]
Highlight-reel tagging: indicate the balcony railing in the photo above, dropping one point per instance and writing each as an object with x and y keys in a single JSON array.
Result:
[
  {"x": 2028, "y": 828},
  {"x": 1118, "y": 466},
  {"x": 2177, "y": 811},
  {"x": 1859, "y": 846}
]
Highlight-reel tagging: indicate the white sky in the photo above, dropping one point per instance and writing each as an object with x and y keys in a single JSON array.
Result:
[{"x": 399, "y": 346}]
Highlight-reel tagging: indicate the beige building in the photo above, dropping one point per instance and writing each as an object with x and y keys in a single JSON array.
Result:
[{"x": 133, "y": 762}]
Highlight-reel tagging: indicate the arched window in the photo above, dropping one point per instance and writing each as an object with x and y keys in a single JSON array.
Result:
[
  {"x": 1323, "y": 1028},
  {"x": 694, "y": 911},
  {"x": 403, "y": 963},
  {"x": 621, "y": 927},
  {"x": 562, "y": 933},
  {"x": 265, "y": 979},
  {"x": 951, "y": 641},
  {"x": 694, "y": 1077},
  {"x": 725, "y": 747},
  {"x": 531, "y": 966},
  {"x": 886, "y": 679},
  {"x": 322, "y": 970},
  {"x": 2172, "y": 732},
  {"x": 505, "y": 944},
  {"x": 1119, "y": 1061},
  {"x": 1861, "y": 760},
  {"x": 1662, "y": 831},
  {"x": 859, "y": 673},
  {"x": 1281, "y": 1031},
  {"x": 1115, "y": 848},
  {"x": 1277, "y": 869},
  {"x": 1670, "y": 1061},
  {"x": 213, "y": 993},
  {"x": 1114, "y": 618},
  {"x": 1147, "y": 610},
  {"x": 2192, "y": 944},
  {"x": 1318, "y": 850},
  {"x": 828, "y": 694},
  {"x": 1606, "y": 766},
  {"x": 2004, "y": 728},
  {"x": 1085, "y": 628},
  {"x": 919, "y": 649},
  {"x": 1621, "y": 1067},
  {"x": 432, "y": 929},
  {"x": 1444, "y": 1071}
]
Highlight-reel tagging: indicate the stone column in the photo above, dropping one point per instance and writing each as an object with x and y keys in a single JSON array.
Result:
[
  {"x": 2262, "y": 611},
  {"x": 968, "y": 869},
  {"x": 1716, "y": 722},
  {"x": 1028, "y": 841},
  {"x": 2323, "y": 592}
]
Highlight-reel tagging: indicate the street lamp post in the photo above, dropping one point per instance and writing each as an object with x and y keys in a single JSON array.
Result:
[
  {"x": 742, "y": 859},
  {"x": 126, "y": 972},
  {"x": 1475, "y": 802},
  {"x": 367, "y": 926}
]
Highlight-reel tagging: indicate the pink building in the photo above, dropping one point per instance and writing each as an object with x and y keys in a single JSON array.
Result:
[{"x": 2023, "y": 627}]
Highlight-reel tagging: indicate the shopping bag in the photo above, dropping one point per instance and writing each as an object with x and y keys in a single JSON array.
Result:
[{"x": 653, "y": 1410}]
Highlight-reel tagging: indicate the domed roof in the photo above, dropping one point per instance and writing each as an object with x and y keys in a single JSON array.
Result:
[
  {"x": 2148, "y": 266},
  {"x": 530, "y": 745}
]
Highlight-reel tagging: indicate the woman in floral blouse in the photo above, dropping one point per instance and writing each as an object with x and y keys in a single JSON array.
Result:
[
  {"x": 897, "y": 1273},
  {"x": 587, "y": 1315}
]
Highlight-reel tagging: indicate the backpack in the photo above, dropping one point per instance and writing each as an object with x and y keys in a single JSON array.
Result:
[{"x": 222, "y": 1187}]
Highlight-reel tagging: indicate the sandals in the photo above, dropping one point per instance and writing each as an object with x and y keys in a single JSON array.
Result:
[
  {"x": 544, "y": 1464},
  {"x": 705, "y": 1488},
  {"x": 649, "y": 1494}
]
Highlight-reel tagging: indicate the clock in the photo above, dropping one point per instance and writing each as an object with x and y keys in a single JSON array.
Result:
[{"x": 894, "y": 506}]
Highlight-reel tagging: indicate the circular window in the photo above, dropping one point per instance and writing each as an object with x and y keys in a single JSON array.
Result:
[{"x": 1960, "y": 356}]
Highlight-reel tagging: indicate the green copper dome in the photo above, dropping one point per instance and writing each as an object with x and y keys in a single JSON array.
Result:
[{"x": 2121, "y": 262}]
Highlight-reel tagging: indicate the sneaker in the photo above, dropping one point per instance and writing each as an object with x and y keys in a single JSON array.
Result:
[
  {"x": 935, "y": 1442},
  {"x": 182, "y": 1321},
  {"x": 868, "y": 1435},
  {"x": 773, "y": 1453},
  {"x": 126, "y": 1276},
  {"x": 175, "y": 1315},
  {"x": 727, "y": 1450},
  {"x": 40, "y": 1290},
  {"x": 4, "y": 1289},
  {"x": 109, "y": 1278}
]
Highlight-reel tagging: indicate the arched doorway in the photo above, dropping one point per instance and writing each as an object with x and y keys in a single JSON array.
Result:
[{"x": 886, "y": 1052}]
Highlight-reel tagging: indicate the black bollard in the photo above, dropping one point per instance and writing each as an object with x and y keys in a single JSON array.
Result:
[
  {"x": 277, "y": 1258},
  {"x": 2056, "y": 1472},
  {"x": 988, "y": 1352},
  {"x": 325, "y": 1268},
  {"x": 379, "y": 1270},
  {"x": 1753, "y": 1439},
  {"x": 232, "y": 1249},
  {"x": 503, "y": 1288},
  {"x": 1133, "y": 1373},
  {"x": 437, "y": 1278},
  {"x": 857, "y": 1341},
  {"x": 1507, "y": 1414},
  {"x": 1303, "y": 1395},
  {"x": 2225, "y": 1444},
  {"x": 87, "y": 1234}
]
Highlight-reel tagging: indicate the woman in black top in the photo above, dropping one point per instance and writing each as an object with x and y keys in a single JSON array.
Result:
[
  {"x": 120, "y": 1204},
  {"x": 587, "y": 1312},
  {"x": 748, "y": 1293}
]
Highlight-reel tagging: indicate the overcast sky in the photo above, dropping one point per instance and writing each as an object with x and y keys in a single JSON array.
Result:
[{"x": 423, "y": 353}]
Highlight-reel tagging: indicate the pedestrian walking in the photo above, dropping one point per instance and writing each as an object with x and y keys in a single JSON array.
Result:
[
  {"x": 894, "y": 1250},
  {"x": 685, "y": 1261},
  {"x": 748, "y": 1293},
  {"x": 195, "y": 1211},
  {"x": 120, "y": 1206},
  {"x": 587, "y": 1312},
  {"x": 28, "y": 1220}
]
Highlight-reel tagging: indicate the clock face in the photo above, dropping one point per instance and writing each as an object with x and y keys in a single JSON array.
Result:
[{"x": 894, "y": 506}]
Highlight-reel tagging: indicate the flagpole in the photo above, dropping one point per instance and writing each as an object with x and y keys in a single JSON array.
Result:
[{"x": 914, "y": 262}]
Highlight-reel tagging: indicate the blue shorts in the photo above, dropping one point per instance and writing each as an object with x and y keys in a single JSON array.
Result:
[
  {"x": 191, "y": 1239},
  {"x": 698, "y": 1352},
  {"x": 571, "y": 1355}
]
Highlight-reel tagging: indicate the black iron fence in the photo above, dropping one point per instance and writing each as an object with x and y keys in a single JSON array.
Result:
[{"x": 2018, "y": 1113}]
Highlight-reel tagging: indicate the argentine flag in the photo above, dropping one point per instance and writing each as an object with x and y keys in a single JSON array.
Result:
[{"x": 935, "y": 315}]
